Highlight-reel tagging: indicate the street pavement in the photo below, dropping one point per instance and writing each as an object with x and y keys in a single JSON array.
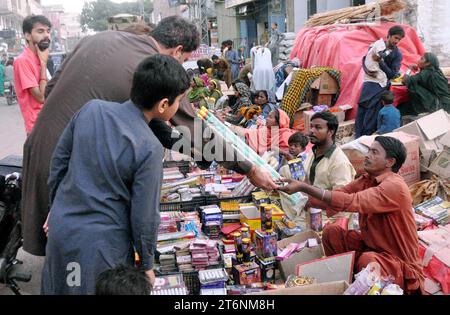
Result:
[{"x": 12, "y": 138}]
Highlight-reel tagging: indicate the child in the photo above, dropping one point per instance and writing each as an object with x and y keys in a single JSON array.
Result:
[
  {"x": 105, "y": 181},
  {"x": 389, "y": 116},
  {"x": 274, "y": 135},
  {"x": 123, "y": 280},
  {"x": 297, "y": 145},
  {"x": 198, "y": 92}
]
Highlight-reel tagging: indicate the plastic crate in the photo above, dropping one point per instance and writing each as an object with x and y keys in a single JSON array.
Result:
[
  {"x": 186, "y": 206},
  {"x": 184, "y": 166}
]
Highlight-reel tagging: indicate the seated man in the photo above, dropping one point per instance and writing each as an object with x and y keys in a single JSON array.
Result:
[
  {"x": 327, "y": 166},
  {"x": 381, "y": 197}
]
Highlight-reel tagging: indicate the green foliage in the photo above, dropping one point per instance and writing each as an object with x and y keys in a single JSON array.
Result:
[{"x": 95, "y": 14}]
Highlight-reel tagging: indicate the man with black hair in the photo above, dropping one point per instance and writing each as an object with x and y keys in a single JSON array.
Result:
[
  {"x": 389, "y": 117},
  {"x": 105, "y": 181},
  {"x": 388, "y": 232},
  {"x": 369, "y": 103},
  {"x": 101, "y": 67},
  {"x": 30, "y": 68},
  {"x": 327, "y": 166},
  {"x": 123, "y": 280},
  {"x": 232, "y": 57}
]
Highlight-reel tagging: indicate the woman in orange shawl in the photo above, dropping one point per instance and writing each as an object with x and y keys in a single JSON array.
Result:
[{"x": 273, "y": 136}]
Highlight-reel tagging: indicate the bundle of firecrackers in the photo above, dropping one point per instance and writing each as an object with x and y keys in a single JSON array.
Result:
[{"x": 204, "y": 254}]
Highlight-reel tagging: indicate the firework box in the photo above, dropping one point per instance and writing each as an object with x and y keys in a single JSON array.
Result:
[
  {"x": 247, "y": 274},
  {"x": 266, "y": 244},
  {"x": 268, "y": 267}
]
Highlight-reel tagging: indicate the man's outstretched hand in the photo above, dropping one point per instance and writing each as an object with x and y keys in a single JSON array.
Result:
[
  {"x": 261, "y": 179},
  {"x": 292, "y": 186}
]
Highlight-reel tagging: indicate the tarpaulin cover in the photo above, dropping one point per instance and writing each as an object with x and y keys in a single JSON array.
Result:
[{"x": 343, "y": 47}]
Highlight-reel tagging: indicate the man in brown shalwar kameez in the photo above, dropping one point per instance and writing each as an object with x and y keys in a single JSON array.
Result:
[{"x": 388, "y": 232}]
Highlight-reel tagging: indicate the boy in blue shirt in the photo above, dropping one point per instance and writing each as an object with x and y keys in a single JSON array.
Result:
[
  {"x": 105, "y": 181},
  {"x": 389, "y": 116}
]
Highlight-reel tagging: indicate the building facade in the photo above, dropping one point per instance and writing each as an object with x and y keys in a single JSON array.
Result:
[
  {"x": 12, "y": 13},
  {"x": 54, "y": 13},
  {"x": 71, "y": 31}
]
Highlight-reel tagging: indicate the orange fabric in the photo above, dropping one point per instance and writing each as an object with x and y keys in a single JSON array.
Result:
[
  {"x": 387, "y": 224},
  {"x": 27, "y": 72},
  {"x": 264, "y": 139}
]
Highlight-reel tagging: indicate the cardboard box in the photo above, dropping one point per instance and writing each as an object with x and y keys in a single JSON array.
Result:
[
  {"x": 287, "y": 266},
  {"x": 410, "y": 170},
  {"x": 326, "y": 84},
  {"x": 430, "y": 129},
  {"x": 356, "y": 158},
  {"x": 307, "y": 114},
  {"x": 266, "y": 244},
  {"x": 247, "y": 274},
  {"x": 441, "y": 165},
  {"x": 346, "y": 131},
  {"x": 329, "y": 288},
  {"x": 325, "y": 99},
  {"x": 333, "y": 268}
]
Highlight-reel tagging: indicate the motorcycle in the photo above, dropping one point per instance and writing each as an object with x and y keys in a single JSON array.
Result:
[{"x": 10, "y": 93}]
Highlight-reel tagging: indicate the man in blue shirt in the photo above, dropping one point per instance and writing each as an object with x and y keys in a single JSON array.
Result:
[
  {"x": 389, "y": 116},
  {"x": 370, "y": 100}
]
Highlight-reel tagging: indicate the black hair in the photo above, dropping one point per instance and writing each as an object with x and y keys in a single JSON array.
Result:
[
  {"x": 332, "y": 122},
  {"x": 299, "y": 138},
  {"x": 227, "y": 42},
  {"x": 174, "y": 30},
  {"x": 264, "y": 92},
  {"x": 396, "y": 30},
  {"x": 10, "y": 61},
  {"x": 123, "y": 280},
  {"x": 254, "y": 95},
  {"x": 214, "y": 57},
  {"x": 158, "y": 77},
  {"x": 30, "y": 21},
  {"x": 394, "y": 149},
  {"x": 387, "y": 97},
  {"x": 233, "y": 84},
  {"x": 275, "y": 23},
  {"x": 204, "y": 64}
]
